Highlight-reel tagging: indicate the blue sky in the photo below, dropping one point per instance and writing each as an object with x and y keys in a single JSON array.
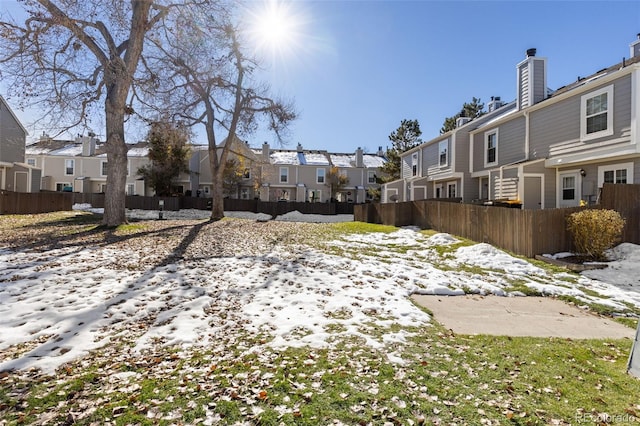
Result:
[
  {"x": 355, "y": 69},
  {"x": 366, "y": 65}
]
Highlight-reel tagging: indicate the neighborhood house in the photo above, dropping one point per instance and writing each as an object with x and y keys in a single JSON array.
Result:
[{"x": 545, "y": 149}]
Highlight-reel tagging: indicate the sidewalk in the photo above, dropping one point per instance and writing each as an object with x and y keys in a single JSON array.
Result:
[{"x": 520, "y": 316}]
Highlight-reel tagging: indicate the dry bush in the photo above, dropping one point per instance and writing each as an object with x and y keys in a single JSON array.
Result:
[{"x": 595, "y": 231}]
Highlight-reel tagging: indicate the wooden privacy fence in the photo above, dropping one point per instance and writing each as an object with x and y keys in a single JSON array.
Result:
[
  {"x": 524, "y": 232},
  {"x": 33, "y": 203},
  {"x": 254, "y": 206}
]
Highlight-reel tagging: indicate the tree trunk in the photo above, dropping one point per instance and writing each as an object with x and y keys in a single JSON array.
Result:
[
  {"x": 117, "y": 90},
  {"x": 217, "y": 194}
]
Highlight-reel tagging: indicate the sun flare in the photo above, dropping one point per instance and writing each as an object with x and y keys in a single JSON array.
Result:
[{"x": 275, "y": 26}]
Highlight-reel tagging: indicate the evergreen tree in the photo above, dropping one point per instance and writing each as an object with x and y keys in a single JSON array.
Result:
[
  {"x": 473, "y": 109},
  {"x": 404, "y": 138},
  {"x": 168, "y": 153}
]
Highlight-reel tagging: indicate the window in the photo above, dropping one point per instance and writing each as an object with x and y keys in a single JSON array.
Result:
[
  {"x": 568, "y": 188},
  {"x": 451, "y": 190},
  {"x": 596, "y": 114},
  {"x": 314, "y": 195},
  {"x": 69, "y": 166},
  {"x": 491, "y": 148},
  {"x": 64, "y": 187},
  {"x": 615, "y": 173},
  {"x": 320, "y": 174},
  {"x": 438, "y": 191},
  {"x": 131, "y": 189},
  {"x": 284, "y": 174},
  {"x": 103, "y": 168},
  {"x": 414, "y": 164},
  {"x": 443, "y": 147},
  {"x": 31, "y": 161},
  {"x": 284, "y": 195},
  {"x": 244, "y": 193},
  {"x": 246, "y": 174},
  {"x": 103, "y": 188},
  {"x": 371, "y": 177}
]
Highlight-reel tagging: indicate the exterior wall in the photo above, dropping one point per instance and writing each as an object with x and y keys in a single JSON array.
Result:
[
  {"x": 555, "y": 130},
  {"x": 12, "y": 137},
  {"x": 511, "y": 140},
  {"x": 53, "y": 173}
]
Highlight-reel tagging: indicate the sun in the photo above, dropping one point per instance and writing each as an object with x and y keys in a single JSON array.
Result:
[{"x": 274, "y": 26}]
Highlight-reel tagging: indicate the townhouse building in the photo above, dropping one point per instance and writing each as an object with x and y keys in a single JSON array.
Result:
[
  {"x": 15, "y": 174},
  {"x": 545, "y": 149},
  {"x": 81, "y": 165},
  {"x": 303, "y": 175},
  {"x": 266, "y": 174}
]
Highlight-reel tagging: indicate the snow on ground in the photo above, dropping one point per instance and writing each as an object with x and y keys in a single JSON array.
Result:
[
  {"x": 65, "y": 302},
  {"x": 294, "y": 216}
]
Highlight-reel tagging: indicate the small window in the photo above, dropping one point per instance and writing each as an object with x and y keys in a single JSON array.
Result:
[
  {"x": 64, "y": 187},
  {"x": 69, "y": 167},
  {"x": 131, "y": 189},
  {"x": 491, "y": 148},
  {"x": 568, "y": 188},
  {"x": 596, "y": 114},
  {"x": 104, "y": 168},
  {"x": 414, "y": 164},
  {"x": 284, "y": 174},
  {"x": 314, "y": 196},
  {"x": 443, "y": 148},
  {"x": 371, "y": 177},
  {"x": 320, "y": 174},
  {"x": 244, "y": 193},
  {"x": 451, "y": 190},
  {"x": 246, "y": 174},
  {"x": 31, "y": 161},
  {"x": 616, "y": 173}
]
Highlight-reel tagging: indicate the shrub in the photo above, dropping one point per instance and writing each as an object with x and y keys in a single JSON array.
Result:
[{"x": 595, "y": 231}]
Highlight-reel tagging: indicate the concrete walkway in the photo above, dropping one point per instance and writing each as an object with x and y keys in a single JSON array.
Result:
[{"x": 520, "y": 316}]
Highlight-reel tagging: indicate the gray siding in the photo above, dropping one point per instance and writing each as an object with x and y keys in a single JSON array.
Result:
[
  {"x": 511, "y": 141},
  {"x": 555, "y": 130},
  {"x": 12, "y": 137}
]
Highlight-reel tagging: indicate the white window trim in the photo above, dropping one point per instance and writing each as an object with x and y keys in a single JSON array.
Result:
[
  {"x": 73, "y": 162},
  {"x": 455, "y": 189},
  {"x": 371, "y": 177},
  {"x": 63, "y": 184},
  {"x": 31, "y": 162},
  {"x": 446, "y": 154},
  {"x": 578, "y": 188},
  {"x": 614, "y": 167},
  {"x": 318, "y": 192},
  {"x": 102, "y": 168},
  {"x": 131, "y": 189},
  {"x": 324, "y": 175},
  {"x": 286, "y": 172},
  {"x": 415, "y": 162},
  {"x": 583, "y": 114},
  {"x": 486, "y": 147}
]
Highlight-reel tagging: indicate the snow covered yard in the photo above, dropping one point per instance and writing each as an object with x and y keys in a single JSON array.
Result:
[{"x": 243, "y": 288}]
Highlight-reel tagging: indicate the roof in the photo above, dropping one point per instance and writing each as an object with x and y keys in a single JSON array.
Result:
[
  {"x": 323, "y": 158},
  {"x": 66, "y": 148}
]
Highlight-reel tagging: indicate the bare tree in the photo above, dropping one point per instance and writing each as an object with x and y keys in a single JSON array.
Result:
[
  {"x": 207, "y": 80},
  {"x": 70, "y": 55}
]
